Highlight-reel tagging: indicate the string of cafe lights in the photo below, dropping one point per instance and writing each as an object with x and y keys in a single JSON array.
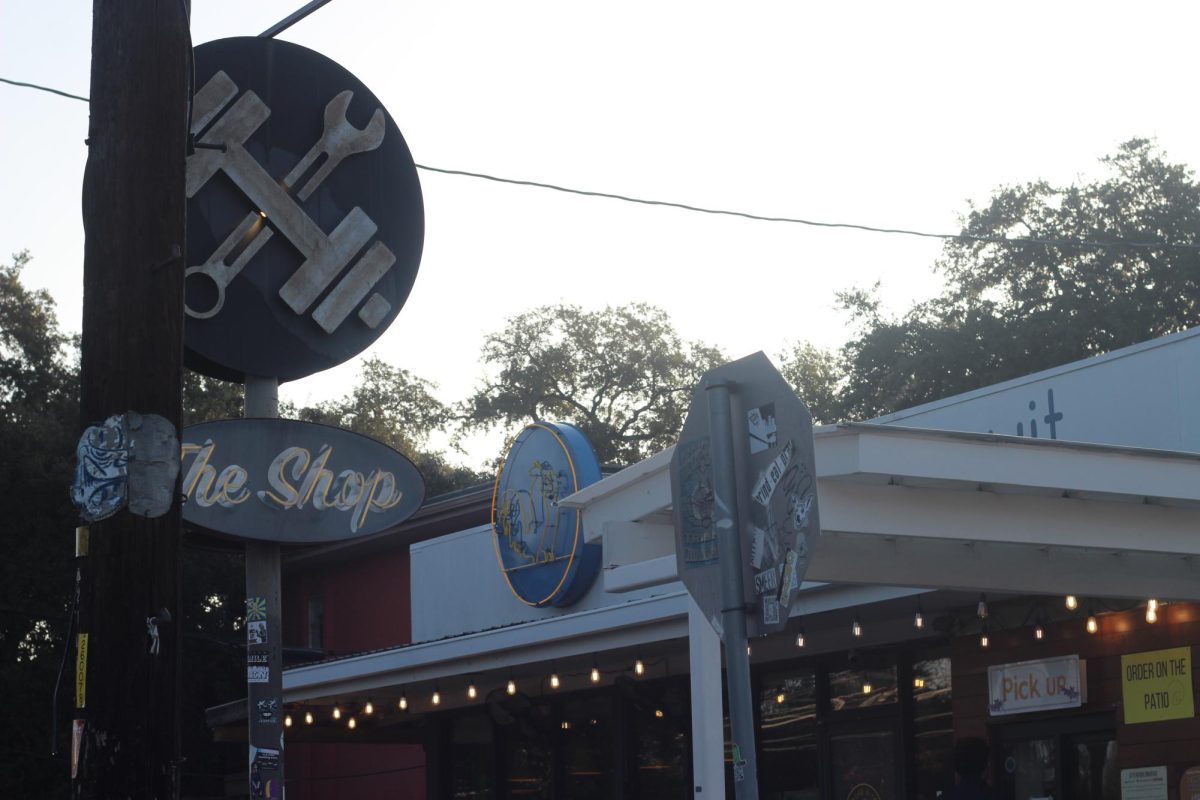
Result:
[
  {"x": 555, "y": 680},
  {"x": 1115, "y": 242}
]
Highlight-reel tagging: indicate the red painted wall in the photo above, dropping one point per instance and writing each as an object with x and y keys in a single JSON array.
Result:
[
  {"x": 367, "y": 607},
  {"x": 367, "y": 604},
  {"x": 340, "y": 771}
]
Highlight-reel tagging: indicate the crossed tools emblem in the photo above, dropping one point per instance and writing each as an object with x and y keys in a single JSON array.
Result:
[{"x": 325, "y": 255}]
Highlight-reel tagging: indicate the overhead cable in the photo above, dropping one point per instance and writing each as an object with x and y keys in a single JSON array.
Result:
[{"x": 1088, "y": 244}]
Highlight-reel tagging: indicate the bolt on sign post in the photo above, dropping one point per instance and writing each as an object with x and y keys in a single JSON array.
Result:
[
  {"x": 744, "y": 497},
  {"x": 306, "y": 226}
]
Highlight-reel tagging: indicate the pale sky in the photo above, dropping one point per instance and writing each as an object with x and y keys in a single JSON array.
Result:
[{"x": 885, "y": 114}]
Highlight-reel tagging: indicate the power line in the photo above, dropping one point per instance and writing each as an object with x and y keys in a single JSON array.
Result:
[
  {"x": 1089, "y": 244},
  {"x": 44, "y": 89},
  {"x": 1086, "y": 243}
]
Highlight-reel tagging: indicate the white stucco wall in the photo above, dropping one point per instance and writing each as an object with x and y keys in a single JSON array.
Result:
[
  {"x": 457, "y": 587},
  {"x": 1145, "y": 395}
]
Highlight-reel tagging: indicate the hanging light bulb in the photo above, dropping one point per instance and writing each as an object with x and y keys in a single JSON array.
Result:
[
  {"x": 981, "y": 609},
  {"x": 554, "y": 681},
  {"x": 658, "y": 712},
  {"x": 308, "y": 718},
  {"x": 1072, "y": 602},
  {"x": 351, "y": 724},
  {"x": 1039, "y": 632},
  {"x": 747, "y": 648},
  {"x": 800, "y": 637},
  {"x": 1151, "y": 610},
  {"x": 779, "y": 698},
  {"x": 867, "y": 687},
  {"x": 472, "y": 692},
  {"x": 337, "y": 712},
  {"x": 369, "y": 708},
  {"x": 595, "y": 674},
  {"x": 1092, "y": 624},
  {"x": 287, "y": 721},
  {"x": 918, "y": 683},
  {"x": 566, "y": 726},
  {"x": 639, "y": 668},
  {"x": 856, "y": 627},
  {"x": 437, "y": 697},
  {"x": 983, "y": 639},
  {"x": 511, "y": 688},
  {"x": 919, "y": 617},
  {"x": 403, "y": 704}
]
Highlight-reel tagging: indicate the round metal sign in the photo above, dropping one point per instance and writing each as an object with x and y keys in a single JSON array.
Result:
[
  {"x": 539, "y": 543},
  {"x": 305, "y": 218}
]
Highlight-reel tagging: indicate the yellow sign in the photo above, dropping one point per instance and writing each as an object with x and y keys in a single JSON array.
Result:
[
  {"x": 81, "y": 671},
  {"x": 1157, "y": 685}
]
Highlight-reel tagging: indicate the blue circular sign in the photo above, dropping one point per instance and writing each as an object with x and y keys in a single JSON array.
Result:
[{"x": 538, "y": 542}]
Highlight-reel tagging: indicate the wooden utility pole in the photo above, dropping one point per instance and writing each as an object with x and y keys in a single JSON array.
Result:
[{"x": 133, "y": 214}]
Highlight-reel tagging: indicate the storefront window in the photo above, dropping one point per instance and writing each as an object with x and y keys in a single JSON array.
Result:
[
  {"x": 663, "y": 746},
  {"x": 788, "y": 763},
  {"x": 864, "y": 765},
  {"x": 587, "y": 747},
  {"x": 862, "y": 686},
  {"x": 471, "y": 757},
  {"x": 933, "y": 726},
  {"x": 529, "y": 755}
]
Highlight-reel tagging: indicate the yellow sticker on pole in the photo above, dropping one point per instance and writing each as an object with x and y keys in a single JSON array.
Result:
[
  {"x": 81, "y": 671},
  {"x": 1157, "y": 685}
]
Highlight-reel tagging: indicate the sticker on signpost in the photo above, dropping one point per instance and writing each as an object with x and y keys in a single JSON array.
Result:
[
  {"x": 256, "y": 609},
  {"x": 256, "y": 632},
  {"x": 761, "y": 428}
]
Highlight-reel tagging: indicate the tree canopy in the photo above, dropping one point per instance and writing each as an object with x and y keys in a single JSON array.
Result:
[
  {"x": 623, "y": 375},
  {"x": 1090, "y": 283}
]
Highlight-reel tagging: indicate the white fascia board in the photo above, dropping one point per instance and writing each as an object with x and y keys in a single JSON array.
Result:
[
  {"x": 1009, "y": 461},
  {"x": 637, "y": 622},
  {"x": 1003, "y": 567},
  {"x": 901, "y": 511}
]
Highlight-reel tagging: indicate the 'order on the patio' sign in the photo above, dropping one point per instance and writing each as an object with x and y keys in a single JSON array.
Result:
[
  {"x": 1040, "y": 685},
  {"x": 294, "y": 482}
]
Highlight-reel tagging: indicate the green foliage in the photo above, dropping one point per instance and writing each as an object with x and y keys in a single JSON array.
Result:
[
  {"x": 622, "y": 375},
  {"x": 38, "y": 412},
  {"x": 393, "y": 406},
  {"x": 1012, "y": 309},
  {"x": 207, "y": 399},
  {"x": 814, "y": 374}
]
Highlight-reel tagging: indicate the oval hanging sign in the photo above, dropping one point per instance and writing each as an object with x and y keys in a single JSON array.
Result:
[
  {"x": 540, "y": 544},
  {"x": 282, "y": 480}
]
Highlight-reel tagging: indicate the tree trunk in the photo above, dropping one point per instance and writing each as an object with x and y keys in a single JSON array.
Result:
[{"x": 133, "y": 214}]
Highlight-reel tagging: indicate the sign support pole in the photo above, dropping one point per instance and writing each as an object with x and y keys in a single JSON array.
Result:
[
  {"x": 733, "y": 608},
  {"x": 264, "y": 697}
]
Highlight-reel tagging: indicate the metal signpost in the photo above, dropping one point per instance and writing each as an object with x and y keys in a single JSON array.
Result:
[
  {"x": 743, "y": 485},
  {"x": 305, "y": 233}
]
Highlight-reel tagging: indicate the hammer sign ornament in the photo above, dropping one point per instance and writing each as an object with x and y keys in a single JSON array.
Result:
[{"x": 306, "y": 222}]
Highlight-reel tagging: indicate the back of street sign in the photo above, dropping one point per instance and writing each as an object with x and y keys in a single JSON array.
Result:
[{"x": 776, "y": 494}]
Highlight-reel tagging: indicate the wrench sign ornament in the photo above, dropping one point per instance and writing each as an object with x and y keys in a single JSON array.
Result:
[{"x": 305, "y": 217}]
